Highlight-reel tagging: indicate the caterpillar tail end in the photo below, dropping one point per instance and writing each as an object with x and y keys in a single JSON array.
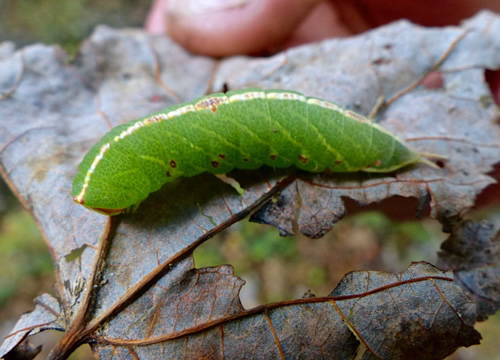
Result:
[{"x": 424, "y": 159}]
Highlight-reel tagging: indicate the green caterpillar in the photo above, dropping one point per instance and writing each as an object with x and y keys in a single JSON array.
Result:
[{"x": 242, "y": 129}]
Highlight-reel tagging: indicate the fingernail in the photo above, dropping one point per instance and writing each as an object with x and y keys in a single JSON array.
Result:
[{"x": 192, "y": 7}]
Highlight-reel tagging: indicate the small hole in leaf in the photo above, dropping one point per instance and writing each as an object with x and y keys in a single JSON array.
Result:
[
  {"x": 493, "y": 80},
  {"x": 76, "y": 253},
  {"x": 440, "y": 163}
]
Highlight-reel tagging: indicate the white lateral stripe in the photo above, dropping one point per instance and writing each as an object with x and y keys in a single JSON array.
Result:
[
  {"x": 91, "y": 170},
  {"x": 250, "y": 95},
  {"x": 155, "y": 118},
  {"x": 286, "y": 96},
  {"x": 180, "y": 111},
  {"x": 325, "y": 104}
]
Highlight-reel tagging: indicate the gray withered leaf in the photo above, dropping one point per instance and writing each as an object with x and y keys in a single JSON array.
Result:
[{"x": 52, "y": 112}]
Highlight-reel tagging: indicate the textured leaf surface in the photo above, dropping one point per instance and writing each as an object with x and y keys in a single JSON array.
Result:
[
  {"x": 51, "y": 112},
  {"x": 410, "y": 305},
  {"x": 473, "y": 252}
]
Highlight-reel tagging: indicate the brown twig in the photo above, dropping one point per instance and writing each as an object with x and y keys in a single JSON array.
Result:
[
  {"x": 433, "y": 68},
  {"x": 75, "y": 335}
]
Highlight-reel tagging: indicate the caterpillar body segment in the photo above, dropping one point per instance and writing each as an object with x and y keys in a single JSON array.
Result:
[{"x": 243, "y": 129}]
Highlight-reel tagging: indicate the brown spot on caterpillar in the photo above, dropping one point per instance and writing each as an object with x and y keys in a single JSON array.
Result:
[
  {"x": 275, "y": 131},
  {"x": 168, "y": 174},
  {"x": 273, "y": 156},
  {"x": 374, "y": 164},
  {"x": 173, "y": 163},
  {"x": 303, "y": 159},
  {"x": 337, "y": 162},
  {"x": 210, "y": 103},
  {"x": 245, "y": 159},
  {"x": 215, "y": 164},
  {"x": 78, "y": 200},
  {"x": 222, "y": 156}
]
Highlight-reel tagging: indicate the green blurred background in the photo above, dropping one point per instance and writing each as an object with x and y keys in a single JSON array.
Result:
[{"x": 274, "y": 268}]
